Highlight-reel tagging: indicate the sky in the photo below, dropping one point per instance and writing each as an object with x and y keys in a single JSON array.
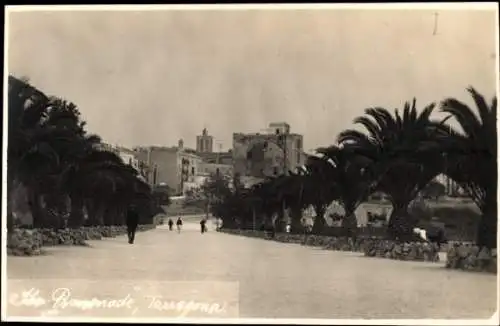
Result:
[{"x": 154, "y": 77}]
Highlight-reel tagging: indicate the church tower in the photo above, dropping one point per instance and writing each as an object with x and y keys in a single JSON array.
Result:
[{"x": 204, "y": 143}]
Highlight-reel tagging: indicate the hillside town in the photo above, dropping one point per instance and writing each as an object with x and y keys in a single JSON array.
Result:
[{"x": 253, "y": 157}]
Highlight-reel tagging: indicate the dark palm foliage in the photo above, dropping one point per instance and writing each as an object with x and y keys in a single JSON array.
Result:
[
  {"x": 405, "y": 154},
  {"x": 348, "y": 176},
  {"x": 472, "y": 154},
  {"x": 319, "y": 190},
  {"x": 50, "y": 153}
]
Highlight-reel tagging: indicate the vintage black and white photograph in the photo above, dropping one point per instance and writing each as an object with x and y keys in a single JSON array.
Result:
[{"x": 251, "y": 163}]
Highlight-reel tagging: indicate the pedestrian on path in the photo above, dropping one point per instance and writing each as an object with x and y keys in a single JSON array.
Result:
[
  {"x": 170, "y": 224},
  {"x": 203, "y": 224},
  {"x": 132, "y": 222},
  {"x": 179, "y": 225},
  {"x": 307, "y": 227},
  {"x": 218, "y": 224}
]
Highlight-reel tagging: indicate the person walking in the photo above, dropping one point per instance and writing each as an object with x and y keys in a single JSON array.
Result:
[
  {"x": 218, "y": 224},
  {"x": 203, "y": 224},
  {"x": 132, "y": 222},
  {"x": 170, "y": 224},
  {"x": 179, "y": 224}
]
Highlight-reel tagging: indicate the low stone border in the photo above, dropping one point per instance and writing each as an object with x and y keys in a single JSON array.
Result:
[
  {"x": 28, "y": 242},
  {"x": 471, "y": 258},
  {"x": 414, "y": 251},
  {"x": 411, "y": 251}
]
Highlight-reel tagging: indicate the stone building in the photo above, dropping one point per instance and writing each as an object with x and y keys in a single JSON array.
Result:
[
  {"x": 204, "y": 143},
  {"x": 175, "y": 166},
  {"x": 204, "y": 148},
  {"x": 268, "y": 154}
]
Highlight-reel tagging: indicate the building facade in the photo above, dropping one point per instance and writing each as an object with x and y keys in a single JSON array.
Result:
[
  {"x": 269, "y": 154},
  {"x": 214, "y": 168},
  {"x": 452, "y": 188},
  {"x": 225, "y": 158},
  {"x": 175, "y": 166},
  {"x": 204, "y": 143}
]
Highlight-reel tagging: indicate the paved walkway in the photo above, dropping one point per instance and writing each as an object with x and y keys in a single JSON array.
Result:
[{"x": 274, "y": 280}]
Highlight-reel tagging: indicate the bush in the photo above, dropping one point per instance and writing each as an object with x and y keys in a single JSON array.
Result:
[
  {"x": 371, "y": 247},
  {"x": 471, "y": 258},
  {"x": 26, "y": 242},
  {"x": 414, "y": 251}
]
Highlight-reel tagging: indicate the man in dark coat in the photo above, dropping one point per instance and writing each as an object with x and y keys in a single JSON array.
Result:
[
  {"x": 132, "y": 222},
  {"x": 203, "y": 225}
]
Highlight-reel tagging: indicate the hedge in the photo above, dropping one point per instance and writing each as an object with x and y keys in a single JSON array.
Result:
[{"x": 29, "y": 242}]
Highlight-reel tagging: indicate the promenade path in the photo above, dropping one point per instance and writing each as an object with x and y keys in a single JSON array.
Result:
[{"x": 275, "y": 280}]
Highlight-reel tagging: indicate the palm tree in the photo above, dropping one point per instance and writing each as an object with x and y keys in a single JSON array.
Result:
[
  {"x": 30, "y": 154},
  {"x": 472, "y": 154},
  {"x": 318, "y": 193},
  {"x": 296, "y": 197},
  {"x": 52, "y": 155},
  {"x": 348, "y": 176},
  {"x": 64, "y": 116},
  {"x": 106, "y": 184},
  {"x": 405, "y": 154}
]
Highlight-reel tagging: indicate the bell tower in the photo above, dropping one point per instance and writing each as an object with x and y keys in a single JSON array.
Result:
[{"x": 204, "y": 142}]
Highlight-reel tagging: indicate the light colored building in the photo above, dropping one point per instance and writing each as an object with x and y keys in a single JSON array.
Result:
[
  {"x": 451, "y": 187},
  {"x": 204, "y": 143},
  {"x": 128, "y": 156},
  {"x": 175, "y": 166},
  {"x": 274, "y": 152}
]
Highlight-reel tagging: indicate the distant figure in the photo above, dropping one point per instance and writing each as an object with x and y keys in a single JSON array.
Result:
[
  {"x": 369, "y": 217},
  {"x": 203, "y": 224},
  {"x": 288, "y": 228},
  {"x": 307, "y": 227},
  {"x": 170, "y": 224},
  {"x": 179, "y": 224},
  {"x": 422, "y": 233},
  {"x": 218, "y": 223},
  {"x": 132, "y": 222},
  {"x": 436, "y": 235}
]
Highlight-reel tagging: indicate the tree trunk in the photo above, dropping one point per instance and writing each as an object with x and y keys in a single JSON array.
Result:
[
  {"x": 39, "y": 218},
  {"x": 280, "y": 221},
  {"x": 107, "y": 216},
  {"x": 10, "y": 215},
  {"x": 76, "y": 215},
  {"x": 487, "y": 227},
  {"x": 10, "y": 198},
  {"x": 296, "y": 217},
  {"x": 319, "y": 221},
  {"x": 349, "y": 223},
  {"x": 399, "y": 227},
  {"x": 98, "y": 216}
]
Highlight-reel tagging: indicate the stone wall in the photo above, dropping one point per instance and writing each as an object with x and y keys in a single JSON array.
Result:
[
  {"x": 29, "y": 242},
  {"x": 371, "y": 247},
  {"x": 471, "y": 258}
]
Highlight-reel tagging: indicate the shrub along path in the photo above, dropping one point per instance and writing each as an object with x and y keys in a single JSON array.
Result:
[{"x": 276, "y": 280}]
